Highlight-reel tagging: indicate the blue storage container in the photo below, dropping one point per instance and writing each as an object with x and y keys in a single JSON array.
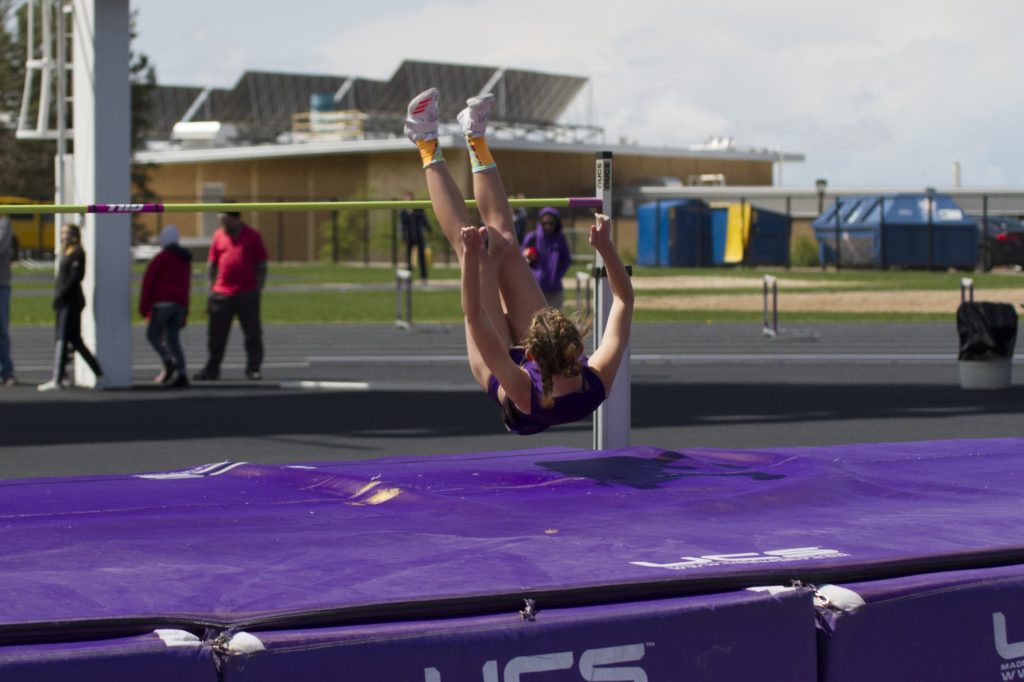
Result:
[
  {"x": 761, "y": 236},
  {"x": 674, "y": 233},
  {"x": 768, "y": 242},
  {"x": 893, "y": 230},
  {"x": 719, "y": 233}
]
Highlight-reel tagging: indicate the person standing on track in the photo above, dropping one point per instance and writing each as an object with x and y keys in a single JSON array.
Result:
[{"x": 237, "y": 271}]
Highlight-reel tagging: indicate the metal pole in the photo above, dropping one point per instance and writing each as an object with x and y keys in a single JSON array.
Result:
[
  {"x": 747, "y": 222},
  {"x": 657, "y": 233},
  {"x": 612, "y": 418},
  {"x": 334, "y": 237},
  {"x": 986, "y": 248},
  {"x": 280, "y": 237},
  {"x": 881, "y": 233},
  {"x": 966, "y": 288},
  {"x": 931, "y": 203},
  {"x": 838, "y": 243},
  {"x": 403, "y": 285},
  {"x": 789, "y": 230},
  {"x": 769, "y": 291},
  {"x": 366, "y": 239},
  {"x": 764, "y": 305},
  {"x": 408, "y": 299},
  {"x": 775, "y": 305},
  {"x": 821, "y": 184},
  {"x": 394, "y": 237},
  {"x": 699, "y": 238},
  {"x": 60, "y": 196}
]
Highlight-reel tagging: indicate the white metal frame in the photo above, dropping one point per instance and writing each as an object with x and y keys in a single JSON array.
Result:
[{"x": 612, "y": 418}]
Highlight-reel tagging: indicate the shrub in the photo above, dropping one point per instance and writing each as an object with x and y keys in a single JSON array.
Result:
[{"x": 804, "y": 251}]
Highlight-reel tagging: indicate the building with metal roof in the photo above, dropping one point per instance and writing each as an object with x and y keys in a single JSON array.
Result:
[
  {"x": 262, "y": 105},
  {"x": 306, "y": 137}
]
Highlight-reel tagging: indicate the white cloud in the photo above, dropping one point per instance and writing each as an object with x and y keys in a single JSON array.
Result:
[{"x": 874, "y": 92}]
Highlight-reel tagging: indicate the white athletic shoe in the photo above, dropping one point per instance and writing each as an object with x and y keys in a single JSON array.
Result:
[
  {"x": 50, "y": 385},
  {"x": 473, "y": 118},
  {"x": 421, "y": 116}
]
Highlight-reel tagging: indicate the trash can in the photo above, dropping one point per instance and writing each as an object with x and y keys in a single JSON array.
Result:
[{"x": 988, "y": 334}]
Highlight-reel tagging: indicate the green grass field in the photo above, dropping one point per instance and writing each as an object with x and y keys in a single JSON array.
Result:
[{"x": 31, "y": 303}]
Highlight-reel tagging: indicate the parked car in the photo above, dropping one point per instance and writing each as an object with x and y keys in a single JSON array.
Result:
[{"x": 1000, "y": 242}]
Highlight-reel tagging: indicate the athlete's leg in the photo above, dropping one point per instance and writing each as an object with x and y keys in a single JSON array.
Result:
[
  {"x": 450, "y": 208},
  {"x": 520, "y": 293}
]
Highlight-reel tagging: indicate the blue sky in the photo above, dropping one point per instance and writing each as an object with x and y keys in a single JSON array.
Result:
[{"x": 873, "y": 92}]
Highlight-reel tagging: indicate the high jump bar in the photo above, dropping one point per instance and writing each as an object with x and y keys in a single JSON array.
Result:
[{"x": 564, "y": 202}]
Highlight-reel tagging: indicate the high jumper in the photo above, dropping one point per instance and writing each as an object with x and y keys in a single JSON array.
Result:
[{"x": 527, "y": 356}]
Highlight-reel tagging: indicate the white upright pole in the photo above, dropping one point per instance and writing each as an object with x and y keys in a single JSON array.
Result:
[
  {"x": 61, "y": 194},
  {"x": 102, "y": 151},
  {"x": 612, "y": 418}
]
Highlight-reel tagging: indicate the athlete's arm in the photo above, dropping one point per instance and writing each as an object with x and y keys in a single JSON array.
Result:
[
  {"x": 606, "y": 359},
  {"x": 492, "y": 348}
]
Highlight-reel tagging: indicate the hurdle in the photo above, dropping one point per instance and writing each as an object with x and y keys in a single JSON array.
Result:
[
  {"x": 403, "y": 285},
  {"x": 770, "y": 315},
  {"x": 966, "y": 290},
  {"x": 770, "y": 289}
]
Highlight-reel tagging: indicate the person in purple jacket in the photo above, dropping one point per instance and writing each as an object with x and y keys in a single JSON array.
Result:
[
  {"x": 527, "y": 355},
  {"x": 548, "y": 254}
]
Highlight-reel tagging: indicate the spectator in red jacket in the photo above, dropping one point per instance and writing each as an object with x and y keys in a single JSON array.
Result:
[{"x": 164, "y": 301}]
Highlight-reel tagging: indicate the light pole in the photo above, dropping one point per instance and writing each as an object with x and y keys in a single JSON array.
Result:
[{"x": 820, "y": 184}]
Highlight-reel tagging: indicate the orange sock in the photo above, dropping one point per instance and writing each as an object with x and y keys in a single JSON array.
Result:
[
  {"x": 430, "y": 152},
  {"x": 479, "y": 154}
]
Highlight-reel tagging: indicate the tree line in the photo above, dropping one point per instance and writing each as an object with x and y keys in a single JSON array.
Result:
[{"x": 27, "y": 166}]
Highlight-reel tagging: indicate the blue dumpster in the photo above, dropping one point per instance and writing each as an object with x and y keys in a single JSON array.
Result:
[
  {"x": 896, "y": 229},
  {"x": 769, "y": 238},
  {"x": 745, "y": 234},
  {"x": 674, "y": 233}
]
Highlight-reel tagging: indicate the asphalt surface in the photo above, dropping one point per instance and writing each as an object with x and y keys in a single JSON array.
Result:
[{"x": 342, "y": 392}]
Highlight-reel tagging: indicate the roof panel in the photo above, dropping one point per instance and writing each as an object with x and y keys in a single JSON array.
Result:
[{"x": 261, "y": 103}]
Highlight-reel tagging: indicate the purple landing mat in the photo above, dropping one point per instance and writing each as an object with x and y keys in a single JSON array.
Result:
[
  {"x": 959, "y": 625},
  {"x": 167, "y": 656},
  {"x": 268, "y": 547},
  {"x": 738, "y": 635}
]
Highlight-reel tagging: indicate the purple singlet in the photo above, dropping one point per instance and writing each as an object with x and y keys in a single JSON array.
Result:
[{"x": 567, "y": 408}]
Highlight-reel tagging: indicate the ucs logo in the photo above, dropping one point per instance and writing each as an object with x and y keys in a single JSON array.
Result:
[
  {"x": 1008, "y": 650},
  {"x": 595, "y": 665}
]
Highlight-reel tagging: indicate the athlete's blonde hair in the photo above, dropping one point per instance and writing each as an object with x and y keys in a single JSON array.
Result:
[{"x": 555, "y": 342}]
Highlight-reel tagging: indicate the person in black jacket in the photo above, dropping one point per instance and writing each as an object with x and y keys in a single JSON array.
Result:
[
  {"x": 68, "y": 302},
  {"x": 414, "y": 233}
]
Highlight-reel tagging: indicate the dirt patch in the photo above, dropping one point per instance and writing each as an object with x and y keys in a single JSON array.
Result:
[
  {"x": 910, "y": 301},
  {"x": 718, "y": 282}
]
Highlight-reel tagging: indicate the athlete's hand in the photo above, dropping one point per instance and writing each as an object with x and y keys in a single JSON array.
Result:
[
  {"x": 473, "y": 239},
  {"x": 601, "y": 232}
]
